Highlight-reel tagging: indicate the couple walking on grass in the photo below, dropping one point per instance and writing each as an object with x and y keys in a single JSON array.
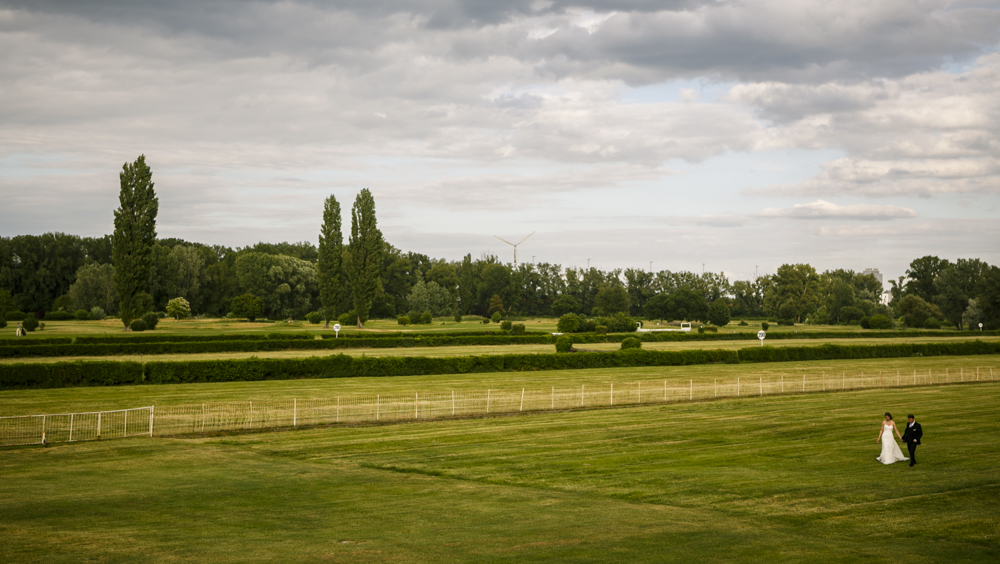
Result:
[{"x": 890, "y": 450}]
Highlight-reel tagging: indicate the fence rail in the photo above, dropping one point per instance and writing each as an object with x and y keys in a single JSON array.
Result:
[{"x": 168, "y": 420}]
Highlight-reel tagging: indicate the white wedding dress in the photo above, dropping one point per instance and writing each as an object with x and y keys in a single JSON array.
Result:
[{"x": 890, "y": 450}]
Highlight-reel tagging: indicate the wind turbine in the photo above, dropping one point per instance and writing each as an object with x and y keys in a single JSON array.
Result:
[{"x": 515, "y": 246}]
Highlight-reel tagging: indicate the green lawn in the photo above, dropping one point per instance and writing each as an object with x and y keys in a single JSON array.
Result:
[{"x": 785, "y": 479}]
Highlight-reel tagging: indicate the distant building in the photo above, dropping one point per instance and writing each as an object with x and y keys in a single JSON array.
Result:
[{"x": 874, "y": 272}]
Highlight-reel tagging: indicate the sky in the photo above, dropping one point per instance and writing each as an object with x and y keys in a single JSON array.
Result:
[{"x": 727, "y": 136}]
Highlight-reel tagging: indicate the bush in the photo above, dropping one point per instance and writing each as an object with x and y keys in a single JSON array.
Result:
[
  {"x": 495, "y": 317},
  {"x": 29, "y": 323},
  {"x": 3, "y": 321},
  {"x": 517, "y": 329},
  {"x": 161, "y": 315},
  {"x": 178, "y": 308},
  {"x": 718, "y": 313},
  {"x": 764, "y": 325},
  {"x": 564, "y": 344},
  {"x": 151, "y": 320},
  {"x": 932, "y": 323},
  {"x": 15, "y": 315},
  {"x": 744, "y": 323},
  {"x": 879, "y": 322},
  {"x": 138, "y": 325},
  {"x": 617, "y": 323},
  {"x": 247, "y": 306},
  {"x": 486, "y": 321},
  {"x": 403, "y": 320},
  {"x": 59, "y": 316},
  {"x": 82, "y": 315},
  {"x": 786, "y": 322},
  {"x": 568, "y": 323},
  {"x": 601, "y": 329},
  {"x": 850, "y": 313},
  {"x": 426, "y": 318},
  {"x": 458, "y": 318},
  {"x": 506, "y": 326},
  {"x": 631, "y": 343},
  {"x": 710, "y": 329},
  {"x": 315, "y": 317},
  {"x": 97, "y": 313},
  {"x": 348, "y": 319},
  {"x": 864, "y": 322}
]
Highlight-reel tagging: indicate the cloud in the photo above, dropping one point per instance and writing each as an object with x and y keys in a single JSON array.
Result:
[{"x": 821, "y": 209}]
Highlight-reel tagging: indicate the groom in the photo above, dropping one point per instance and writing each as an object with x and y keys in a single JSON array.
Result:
[{"x": 912, "y": 437}]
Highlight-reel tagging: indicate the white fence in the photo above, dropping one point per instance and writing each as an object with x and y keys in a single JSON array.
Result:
[{"x": 166, "y": 420}]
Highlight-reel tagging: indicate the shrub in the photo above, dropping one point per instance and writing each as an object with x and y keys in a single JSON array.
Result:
[
  {"x": 403, "y": 320},
  {"x": 247, "y": 306},
  {"x": 506, "y": 326},
  {"x": 850, "y": 313},
  {"x": 710, "y": 329},
  {"x": 587, "y": 325},
  {"x": 178, "y": 308},
  {"x": 426, "y": 318},
  {"x": 315, "y": 317},
  {"x": 29, "y": 323},
  {"x": 879, "y": 321},
  {"x": 97, "y": 313},
  {"x": 701, "y": 328},
  {"x": 517, "y": 329},
  {"x": 743, "y": 323},
  {"x": 786, "y": 322},
  {"x": 495, "y": 317},
  {"x": 3, "y": 321},
  {"x": 458, "y": 318},
  {"x": 718, "y": 313},
  {"x": 568, "y": 323},
  {"x": 564, "y": 344},
  {"x": 15, "y": 315},
  {"x": 151, "y": 320},
  {"x": 932, "y": 323},
  {"x": 82, "y": 315},
  {"x": 161, "y": 315},
  {"x": 764, "y": 325},
  {"x": 486, "y": 321},
  {"x": 631, "y": 343},
  {"x": 564, "y": 304},
  {"x": 601, "y": 329},
  {"x": 59, "y": 316},
  {"x": 348, "y": 319},
  {"x": 864, "y": 322},
  {"x": 138, "y": 325}
]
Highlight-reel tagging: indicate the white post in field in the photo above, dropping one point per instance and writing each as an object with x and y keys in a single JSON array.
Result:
[
  {"x": 803, "y": 383},
  {"x": 71, "y": 426},
  {"x": 125, "y": 430},
  {"x": 378, "y": 401},
  {"x": 295, "y": 412},
  {"x": 582, "y": 388},
  {"x": 152, "y": 408},
  {"x": 99, "y": 425},
  {"x": 612, "y": 394}
]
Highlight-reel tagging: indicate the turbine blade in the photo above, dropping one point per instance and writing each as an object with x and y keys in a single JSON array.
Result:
[
  {"x": 526, "y": 238},
  {"x": 506, "y": 241}
]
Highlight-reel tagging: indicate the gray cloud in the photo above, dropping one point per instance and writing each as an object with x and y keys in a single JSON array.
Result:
[{"x": 821, "y": 209}]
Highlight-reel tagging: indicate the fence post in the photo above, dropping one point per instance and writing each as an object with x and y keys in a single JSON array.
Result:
[
  {"x": 125, "y": 431},
  {"x": 71, "y": 415},
  {"x": 522, "y": 400},
  {"x": 295, "y": 412},
  {"x": 416, "y": 405},
  {"x": 487, "y": 401},
  {"x": 612, "y": 394},
  {"x": 250, "y": 420},
  {"x": 202, "y": 418},
  {"x": 824, "y": 381},
  {"x": 378, "y": 402},
  {"x": 152, "y": 408},
  {"x": 582, "y": 388},
  {"x": 99, "y": 425}
]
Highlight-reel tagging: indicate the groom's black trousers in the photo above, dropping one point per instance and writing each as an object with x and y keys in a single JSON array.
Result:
[{"x": 912, "y": 447}]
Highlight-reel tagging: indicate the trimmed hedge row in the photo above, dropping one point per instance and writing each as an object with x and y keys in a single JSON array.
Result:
[
  {"x": 343, "y": 366},
  {"x": 301, "y": 336},
  {"x": 31, "y": 340},
  {"x": 69, "y": 374},
  {"x": 128, "y": 347}
]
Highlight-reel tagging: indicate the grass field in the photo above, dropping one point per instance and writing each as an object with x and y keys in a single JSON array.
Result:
[
  {"x": 479, "y": 350},
  {"x": 785, "y": 479},
  {"x": 113, "y": 327}
]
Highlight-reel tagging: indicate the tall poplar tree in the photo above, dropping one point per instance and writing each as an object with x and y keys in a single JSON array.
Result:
[
  {"x": 364, "y": 255},
  {"x": 134, "y": 237},
  {"x": 331, "y": 250}
]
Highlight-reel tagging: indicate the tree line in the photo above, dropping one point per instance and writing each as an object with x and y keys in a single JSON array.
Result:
[{"x": 132, "y": 271}]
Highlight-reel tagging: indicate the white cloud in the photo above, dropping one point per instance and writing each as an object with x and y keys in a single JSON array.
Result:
[{"x": 821, "y": 209}]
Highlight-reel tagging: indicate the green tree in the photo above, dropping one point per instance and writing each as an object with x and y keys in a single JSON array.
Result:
[
  {"x": 688, "y": 304},
  {"x": 285, "y": 284},
  {"x": 565, "y": 303},
  {"x": 95, "y": 287},
  {"x": 331, "y": 252},
  {"x": 364, "y": 255},
  {"x": 798, "y": 284},
  {"x": 915, "y": 310},
  {"x": 133, "y": 239},
  {"x": 658, "y": 307},
  {"x": 178, "y": 308},
  {"x": 611, "y": 299},
  {"x": 247, "y": 306},
  {"x": 467, "y": 286},
  {"x": 988, "y": 299},
  {"x": 955, "y": 285},
  {"x": 921, "y": 274},
  {"x": 718, "y": 313}
]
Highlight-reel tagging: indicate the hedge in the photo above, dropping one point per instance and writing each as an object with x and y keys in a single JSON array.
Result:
[
  {"x": 68, "y": 374},
  {"x": 343, "y": 366}
]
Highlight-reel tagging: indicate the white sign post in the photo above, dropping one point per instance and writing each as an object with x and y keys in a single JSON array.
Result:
[
  {"x": 761, "y": 335},
  {"x": 980, "y": 327},
  {"x": 336, "y": 329}
]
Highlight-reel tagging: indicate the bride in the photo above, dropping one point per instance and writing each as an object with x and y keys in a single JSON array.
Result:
[{"x": 890, "y": 450}]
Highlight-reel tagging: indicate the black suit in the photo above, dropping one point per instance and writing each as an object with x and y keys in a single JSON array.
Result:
[{"x": 912, "y": 439}]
